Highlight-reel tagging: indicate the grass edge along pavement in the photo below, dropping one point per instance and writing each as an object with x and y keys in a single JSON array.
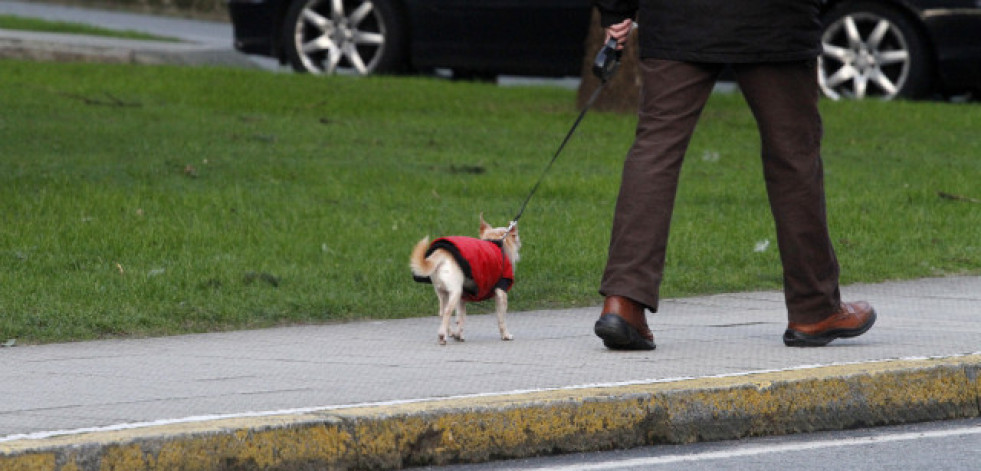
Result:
[{"x": 482, "y": 428}]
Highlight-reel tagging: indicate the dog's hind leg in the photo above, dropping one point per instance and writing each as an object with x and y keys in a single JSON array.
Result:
[
  {"x": 448, "y": 301},
  {"x": 501, "y": 299},
  {"x": 461, "y": 317},
  {"x": 441, "y": 296}
]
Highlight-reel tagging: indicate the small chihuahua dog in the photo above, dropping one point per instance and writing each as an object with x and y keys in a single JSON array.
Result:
[{"x": 466, "y": 269}]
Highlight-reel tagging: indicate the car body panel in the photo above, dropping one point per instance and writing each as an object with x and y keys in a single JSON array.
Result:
[
  {"x": 256, "y": 25},
  {"x": 956, "y": 38},
  {"x": 504, "y": 36}
]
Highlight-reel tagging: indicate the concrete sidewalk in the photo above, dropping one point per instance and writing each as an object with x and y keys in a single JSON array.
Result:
[{"x": 384, "y": 395}]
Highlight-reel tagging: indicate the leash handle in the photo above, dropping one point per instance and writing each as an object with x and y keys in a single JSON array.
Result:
[{"x": 607, "y": 60}]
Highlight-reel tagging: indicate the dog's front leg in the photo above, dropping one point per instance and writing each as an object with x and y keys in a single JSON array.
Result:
[{"x": 501, "y": 298}]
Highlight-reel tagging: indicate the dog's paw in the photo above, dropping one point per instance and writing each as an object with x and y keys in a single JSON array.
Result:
[
  {"x": 459, "y": 337},
  {"x": 441, "y": 339},
  {"x": 507, "y": 336}
]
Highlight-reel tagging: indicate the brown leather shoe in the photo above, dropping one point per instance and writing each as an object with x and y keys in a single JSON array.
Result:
[
  {"x": 623, "y": 325},
  {"x": 851, "y": 320}
]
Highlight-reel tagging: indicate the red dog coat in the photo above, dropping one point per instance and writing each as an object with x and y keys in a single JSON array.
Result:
[{"x": 483, "y": 262}]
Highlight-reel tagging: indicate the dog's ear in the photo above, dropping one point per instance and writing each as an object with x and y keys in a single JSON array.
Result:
[{"x": 483, "y": 224}]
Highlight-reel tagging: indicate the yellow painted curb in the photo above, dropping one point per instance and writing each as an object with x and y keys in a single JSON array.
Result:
[{"x": 483, "y": 428}]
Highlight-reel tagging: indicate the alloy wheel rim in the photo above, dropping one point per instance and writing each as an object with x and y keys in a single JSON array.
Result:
[
  {"x": 863, "y": 55},
  {"x": 340, "y": 36}
]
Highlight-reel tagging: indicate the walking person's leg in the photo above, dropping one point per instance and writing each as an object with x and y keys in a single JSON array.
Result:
[
  {"x": 672, "y": 98},
  {"x": 784, "y": 100}
]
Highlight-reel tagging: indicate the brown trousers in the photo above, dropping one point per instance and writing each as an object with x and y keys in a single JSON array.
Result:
[{"x": 784, "y": 100}]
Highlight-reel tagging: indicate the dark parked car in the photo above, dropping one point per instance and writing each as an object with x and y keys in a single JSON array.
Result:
[
  {"x": 872, "y": 48},
  {"x": 485, "y": 37}
]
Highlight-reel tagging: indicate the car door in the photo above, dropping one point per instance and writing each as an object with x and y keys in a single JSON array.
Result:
[{"x": 500, "y": 36}]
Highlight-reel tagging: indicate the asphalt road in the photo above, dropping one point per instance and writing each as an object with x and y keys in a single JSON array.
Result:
[
  {"x": 951, "y": 445},
  {"x": 209, "y": 34},
  {"x": 203, "y": 32}
]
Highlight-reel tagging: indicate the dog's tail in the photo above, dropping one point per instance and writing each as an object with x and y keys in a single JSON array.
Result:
[{"x": 421, "y": 267}]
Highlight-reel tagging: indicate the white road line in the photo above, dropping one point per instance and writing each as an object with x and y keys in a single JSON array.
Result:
[
  {"x": 307, "y": 410},
  {"x": 755, "y": 450}
]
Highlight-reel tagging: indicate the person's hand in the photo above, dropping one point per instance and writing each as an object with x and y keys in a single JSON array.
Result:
[{"x": 620, "y": 32}]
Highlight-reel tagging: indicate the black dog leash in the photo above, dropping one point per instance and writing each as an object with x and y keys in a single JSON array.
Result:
[{"x": 606, "y": 63}]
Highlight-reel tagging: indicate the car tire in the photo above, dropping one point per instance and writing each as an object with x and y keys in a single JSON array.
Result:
[
  {"x": 873, "y": 51},
  {"x": 357, "y": 37}
]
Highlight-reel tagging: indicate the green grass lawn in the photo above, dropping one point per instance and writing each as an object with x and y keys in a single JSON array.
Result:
[
  {"x": 33, "y": 24},
  {"x": 142, "y": 200}
]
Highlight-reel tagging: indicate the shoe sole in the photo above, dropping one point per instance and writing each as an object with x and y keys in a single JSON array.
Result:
[
  {"x": 617, "y": 334},
  {"x": 792, "y": 338}
]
